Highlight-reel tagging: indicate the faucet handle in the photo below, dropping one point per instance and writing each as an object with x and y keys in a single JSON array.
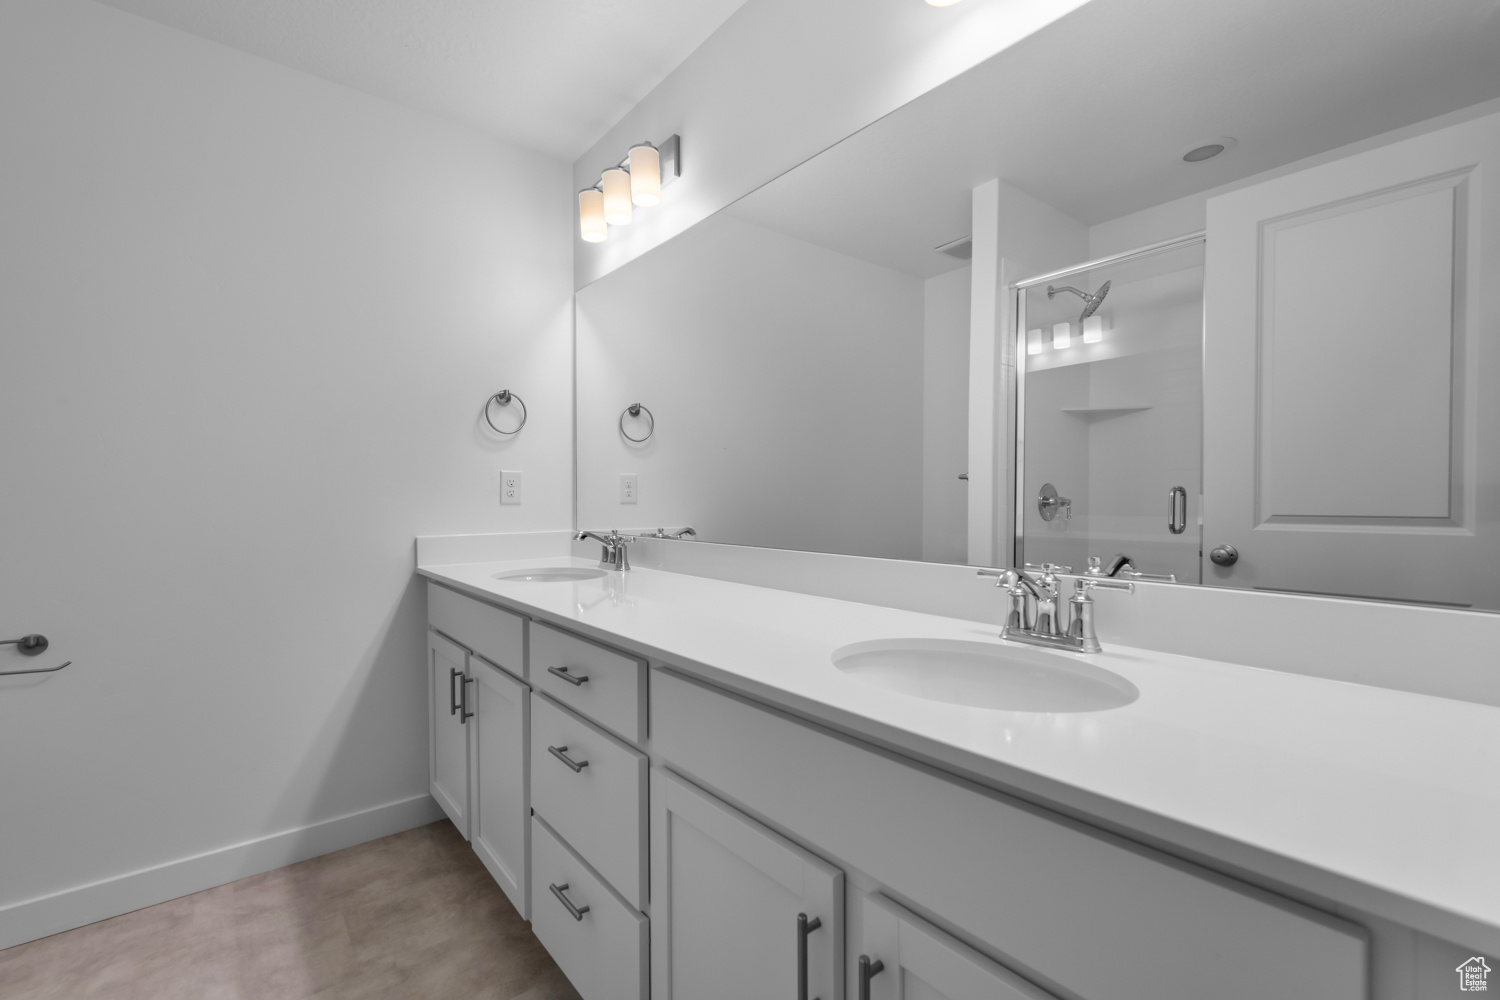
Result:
[
  {"x": 1046, "y": 568},
  {"x": 1083, "y": 585}
]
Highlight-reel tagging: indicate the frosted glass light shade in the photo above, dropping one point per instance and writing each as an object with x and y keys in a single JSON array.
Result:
[
  {"x": 616, "y": 183},
  {"x": 645, "y": 175},
  {"x": 1093, "y": 329},
  {"x": 1034, "y": 341},
  {"x": 591, "y": 216},
  {"x": 1062, "y": 335},
  {"x": 941, "y": 3}
]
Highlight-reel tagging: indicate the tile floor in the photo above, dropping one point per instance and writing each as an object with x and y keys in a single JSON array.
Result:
[{"x": 414, "y": 916}]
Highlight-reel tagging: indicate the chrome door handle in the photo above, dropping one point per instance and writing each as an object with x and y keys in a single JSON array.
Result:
[
  {"x": 868, "y": 970},
  {"x": 1177, "y": 510},
  {"x": 464, "y": 715},
  {"x": 576, "y": 911},
  {"x": 804, "y": 928},
  {"x": 573, "y": 679},
  {"x": 561, "y": 753},
  {"x": 453, "y": 673}
]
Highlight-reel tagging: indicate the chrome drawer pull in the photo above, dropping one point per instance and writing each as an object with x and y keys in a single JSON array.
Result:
[
  {"x": 804, "y": 928},
  {"x": 561, "y": 753},
  {"x": 558, "y": 890},
  {"x": 868, "y": 970},
  {"x": 574, "y": 679}
]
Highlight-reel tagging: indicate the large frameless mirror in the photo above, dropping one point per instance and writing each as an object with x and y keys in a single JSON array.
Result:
[{"x": 1267, "y": 357}]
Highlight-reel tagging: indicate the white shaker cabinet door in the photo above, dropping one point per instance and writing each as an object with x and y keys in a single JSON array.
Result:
[
  {"x": 448, "y": 743},
  {"x": 499, "y": 746},
  {"x": 896, "y": 955},
  {"x": 730, "y": 900}
]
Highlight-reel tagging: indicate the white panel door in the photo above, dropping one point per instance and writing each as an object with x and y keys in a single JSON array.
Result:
[
  {"x": 448, "y": 735},
  {"x": 726, "y": 897},
  {"x": 1351, "y": 437},
  {"x": 896, "y": 955},
  {"x": 499, "y": 748}
]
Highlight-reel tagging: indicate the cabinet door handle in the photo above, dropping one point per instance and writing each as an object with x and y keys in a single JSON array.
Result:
[
  {"x": 868, "y": 970},
  {"x": 1177, "y": 510},
  {"x": 804, "y": 928},
  {"x": 453, "y": 673},
  {"x": 576, "y": 911},
  {"x": 561, "y": 753},
  {"x": 464, "y": 715},
  {"x": 574, "y": 679}
]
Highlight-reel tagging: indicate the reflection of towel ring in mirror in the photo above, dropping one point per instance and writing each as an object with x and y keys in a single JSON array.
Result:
[
  {"x": 503, "y": 397},
  {"x": 635, "y": 410}
]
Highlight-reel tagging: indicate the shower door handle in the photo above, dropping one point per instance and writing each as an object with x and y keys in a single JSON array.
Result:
[{"x": 1177, "y": 510}]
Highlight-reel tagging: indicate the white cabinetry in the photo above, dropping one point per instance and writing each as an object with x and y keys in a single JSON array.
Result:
[
  {"x": 448, "y": 737},
  {"x": 501, "y": 808},
  {"x": 727, "y": 895},
  {"x": 896, "y": 955}
]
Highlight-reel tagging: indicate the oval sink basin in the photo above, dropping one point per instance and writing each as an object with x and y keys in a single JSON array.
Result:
[
  {"x": 551, "y": 574},
  {"x": 985, "y": 675}
]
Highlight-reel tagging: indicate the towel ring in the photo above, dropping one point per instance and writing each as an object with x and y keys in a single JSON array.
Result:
[
  {"x": 634, "y": 410},
  {"x": 503, "y": 397}
]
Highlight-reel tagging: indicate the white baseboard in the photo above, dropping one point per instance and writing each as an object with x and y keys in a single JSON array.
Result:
[{"x": 36, "y": 918}]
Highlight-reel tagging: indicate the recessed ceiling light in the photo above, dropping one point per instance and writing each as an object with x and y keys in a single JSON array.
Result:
[
  {"x": 941, "y": 3},
  {"x": 1200, "y": 151}
]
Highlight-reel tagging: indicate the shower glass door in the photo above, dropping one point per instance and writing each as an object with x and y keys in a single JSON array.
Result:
[{"x": 1109, "y": 464}]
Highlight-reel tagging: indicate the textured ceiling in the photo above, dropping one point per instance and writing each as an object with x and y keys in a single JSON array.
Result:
[{"x": 551, "y": 76}]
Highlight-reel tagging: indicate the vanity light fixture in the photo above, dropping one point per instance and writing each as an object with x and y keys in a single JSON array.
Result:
[
  {"x": 1093, "y": 329},
  {"x": 635, "y": 180},
  {"x": 591, "y": 222},
  {"x": 1034, "y": 341},
  {"x": 1062, "y": 335},
  {"x": 616, "y": 184}
]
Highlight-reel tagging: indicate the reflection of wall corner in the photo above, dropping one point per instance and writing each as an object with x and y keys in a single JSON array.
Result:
[
  {"x": 670, "y": 151},
  {"x": 961, "y": 248}
]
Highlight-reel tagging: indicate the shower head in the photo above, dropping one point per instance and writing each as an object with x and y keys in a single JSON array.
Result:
[{"x": 1091, "y": 303}]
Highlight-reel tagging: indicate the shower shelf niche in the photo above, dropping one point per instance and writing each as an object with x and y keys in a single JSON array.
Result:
[{"x": 1103, "y": 411}]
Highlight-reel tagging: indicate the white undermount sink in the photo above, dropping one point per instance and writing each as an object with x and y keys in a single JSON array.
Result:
[
  {"x": 985, "y": 675},
  {"x": 551, "y": 574}
]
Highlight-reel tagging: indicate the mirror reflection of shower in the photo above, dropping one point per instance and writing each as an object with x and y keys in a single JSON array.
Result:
[{"x": 1112, "y": 409}]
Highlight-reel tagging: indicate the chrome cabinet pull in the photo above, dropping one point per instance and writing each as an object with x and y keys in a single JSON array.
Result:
[
  {"x": 1177, "y": 510},
  {"x": 561, "y": 753},
  {"x": 868, "y": 970},
  {"x": 576, "y": 911},
  {"x": 804, "y": 928},
  {"x": 464, "y": 715},
  {"x": 573, "y": 679},
  {"x": 453, "y": 673}
]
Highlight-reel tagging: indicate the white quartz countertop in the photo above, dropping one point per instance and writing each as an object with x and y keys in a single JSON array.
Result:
[{"x": 1383, "y": 800}]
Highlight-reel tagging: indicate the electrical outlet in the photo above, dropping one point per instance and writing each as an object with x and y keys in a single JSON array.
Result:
[
  {"x": 629, "y": 487},
  {"x": 510, "y": 487}
]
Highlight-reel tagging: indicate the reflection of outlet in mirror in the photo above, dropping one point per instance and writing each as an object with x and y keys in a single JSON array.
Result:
[
  {"x": 629, "y": 487},
  {"x": 510, "y": 487}
]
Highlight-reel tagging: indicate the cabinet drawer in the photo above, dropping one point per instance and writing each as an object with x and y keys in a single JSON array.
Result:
[
  {"x": 496, "y": 635},
  {"x": 614, "y": 695},
  {"x": 603, "y": 954},
  {"x": 599, "y": 809},
  {"x": 1070, "y": 907}
]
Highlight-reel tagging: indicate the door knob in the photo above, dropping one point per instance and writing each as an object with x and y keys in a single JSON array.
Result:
[{"x": 1224, "y": 555}]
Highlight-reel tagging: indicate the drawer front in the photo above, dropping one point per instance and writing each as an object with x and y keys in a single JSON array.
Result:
[
  {"x": 1070, "y": 907},
  {"x": 603, "y": 954},
  {"x": 600, "y": 808},
  {"x": 614, "y": 695},
  {"x": 496, "y": 635}
]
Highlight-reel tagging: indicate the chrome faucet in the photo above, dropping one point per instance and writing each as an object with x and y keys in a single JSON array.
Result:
[
  {"x": 680, "y": 534},
  {"x": 1123, "y": 566},
  {"x": 613, "y": 555},
  {"x": 1034, "y": 616}
]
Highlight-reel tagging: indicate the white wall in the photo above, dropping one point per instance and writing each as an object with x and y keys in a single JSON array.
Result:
[
  {"x": 247, "y": 319},
  {"x": 945, "y": 416},
  {"x": 782, "y": 80},
  {"x": 786, "y": 383}
]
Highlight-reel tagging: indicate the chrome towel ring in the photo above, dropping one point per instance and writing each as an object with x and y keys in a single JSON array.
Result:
[
  {"x": 503, "y": 397},
  {"x": 30, "y": 645},
  {"x": 635, "y": 410}
]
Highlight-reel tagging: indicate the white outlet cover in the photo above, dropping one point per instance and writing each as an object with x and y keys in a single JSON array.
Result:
[
  {"x": 630, "y": 487},
  {"x": 510, "y": 487}
]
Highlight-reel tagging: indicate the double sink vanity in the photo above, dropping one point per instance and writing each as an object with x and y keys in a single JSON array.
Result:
[{"x": 694, "y": 787}]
